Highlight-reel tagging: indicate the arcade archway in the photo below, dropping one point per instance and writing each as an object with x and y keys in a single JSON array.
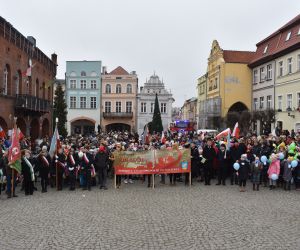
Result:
[{"x": 117, "y": 127}]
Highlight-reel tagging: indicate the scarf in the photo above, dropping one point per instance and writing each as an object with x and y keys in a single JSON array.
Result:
[
  {"x": 45, "y": 161},
  {"x": 72, "y": 160},
  {"x": 86, "y": 160},
  {"x": 30, "y": 167}
]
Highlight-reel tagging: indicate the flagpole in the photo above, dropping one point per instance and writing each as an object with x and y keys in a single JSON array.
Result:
[
  {"x": 12, "y": 170},
  {"x": 56, "y": 121}
]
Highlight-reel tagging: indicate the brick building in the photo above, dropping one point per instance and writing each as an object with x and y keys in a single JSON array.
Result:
[{"x": 25, "y": 96}]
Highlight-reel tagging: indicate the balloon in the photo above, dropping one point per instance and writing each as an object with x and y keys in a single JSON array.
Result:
[
  {"x": 263, "y": 159},
  {"x": 294, "y": 163},
  {"x": 236, "y": 166},
  {"x": 281, "y": 156},
  {"x": 274, "y": 177}
]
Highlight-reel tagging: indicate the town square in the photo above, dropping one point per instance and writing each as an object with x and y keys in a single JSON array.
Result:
[{"x": 141, "y": 124}]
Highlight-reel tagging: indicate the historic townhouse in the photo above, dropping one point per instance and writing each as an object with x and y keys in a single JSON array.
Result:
[
  {"x": 83, "y": 88},
  {"x": 276, "y": 75},
  {"x": 119, "y": 100}
]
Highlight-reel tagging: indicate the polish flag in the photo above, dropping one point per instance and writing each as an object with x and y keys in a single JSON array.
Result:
[
  {"x": 163, "y": 138},
  {"x": 236, "y": 131},
  {"x": 224, "y": 133},
  {"x": 21, "y": 135}
]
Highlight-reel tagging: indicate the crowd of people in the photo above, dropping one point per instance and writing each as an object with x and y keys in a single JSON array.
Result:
[{"x": 87, "y": 161}]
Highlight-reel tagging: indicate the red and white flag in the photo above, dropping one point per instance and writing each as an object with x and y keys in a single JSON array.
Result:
[
  {"x": 21, "y": 135},
  {"x": 2, "y": 133},
  {"x": 224, "y": 133},
  {"x": 163, "y": 138},
  {"x": 236, "y": 131}
]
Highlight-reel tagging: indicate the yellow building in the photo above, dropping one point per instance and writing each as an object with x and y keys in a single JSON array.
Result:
[{"x": 228, "y": 84}]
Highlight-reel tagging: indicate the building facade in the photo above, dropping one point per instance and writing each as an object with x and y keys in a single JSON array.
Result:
[
  {"x": 189, "y": 110},
  {"x": 83, "y": 88},
  {"x": 119, "y": 100},
  {"x": 201, "y": 99},
  {"x": 276, "y": 75},
  {"x": 146, "y": 100},
  {"x": 228, "y": 85},
  {"x": 26, "y": 87}
]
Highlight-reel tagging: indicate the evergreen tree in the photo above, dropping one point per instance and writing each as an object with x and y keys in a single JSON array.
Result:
[
  {"x": 156, "y": 125},
  {"x": 60, "y": 111}
]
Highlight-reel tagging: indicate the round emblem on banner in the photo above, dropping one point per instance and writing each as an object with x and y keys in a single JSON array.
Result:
[{"x": 15, "y": 151}]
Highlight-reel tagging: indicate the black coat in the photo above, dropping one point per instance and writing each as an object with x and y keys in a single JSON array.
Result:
[
  {"x": 244, "y": 170},
  {"x": 209, "y": 154},
  {"x": 101, "y": 160}
]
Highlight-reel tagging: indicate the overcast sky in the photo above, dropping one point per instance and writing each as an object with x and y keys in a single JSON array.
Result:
[{"x": 170, "y": 37}]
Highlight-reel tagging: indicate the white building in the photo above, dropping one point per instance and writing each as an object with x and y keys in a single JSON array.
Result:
[
  {"x": 83, "y": 88},
  {"x": 146, "y": 100}
]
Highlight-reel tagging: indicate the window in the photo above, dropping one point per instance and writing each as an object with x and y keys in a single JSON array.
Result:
[
  {"x": 216, "y": 84},
  {"x": 129, "y": 89},
  {"x": 289, "y": 66},
  {"x": 266, "y": 49},
  {"x": 83, "y": 84},
  {"x": 93, "y": 102},
  {"x": 107, "y": 89},
  {"x": 261, "y": 102},
  {"x": 82, "y": 102},
  {"x": 143, "y": 107},
  {"x": 83, "y": 73},
  {"x": 262, "y": 74},
  {"x": 269, "y": 102},
  {"x": 255, "y": 76},
  {"x": 107, "y": 107},
  {"x": 152, "y": 107},
  {"x": 255, "y": 103},
  {"x": 5, "y": 81},
  {"x": 298, "y": 62},
  {"x": 72, "y": 84},
  {"x": 128, "y": 107},
  {"x": 93, "y": 84},
  {"x": 163, "y": 108},
  {"x": 73, "y": 102},
  {"x": 279, "y": 100},
  {"x": 148, "y": 91},
  {"x": 298, "y": 100},
  {"x": 118, "y": 107},
  {"x": 269, "y": 72},
  {"x": 119, "y": 78},
  {"x": 280, "y": 65},
  {"x": 289, "y": 103},
  {"x": 288, "y": 36},
  {"x": 118, "y": 89}
]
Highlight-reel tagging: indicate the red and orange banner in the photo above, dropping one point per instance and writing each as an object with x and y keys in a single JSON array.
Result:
[{"x": 164, "y": 161}]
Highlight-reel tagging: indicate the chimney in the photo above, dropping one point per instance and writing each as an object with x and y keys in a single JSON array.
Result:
[
  {"x": 141, "y": 89},
  {"x": 54, "y": 58},
  {"x": 32, "y": 40},
  {"x": 133, "y": 72},
  {"x": 104, "y": 70}
]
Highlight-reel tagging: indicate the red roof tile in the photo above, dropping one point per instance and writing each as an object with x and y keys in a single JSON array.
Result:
[
  {"x": 118, "y": 71},
  {"x": 233, "y": 56},
  {"x": 276, "y": 43}
]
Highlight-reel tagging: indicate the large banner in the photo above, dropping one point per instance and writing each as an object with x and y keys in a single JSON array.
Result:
[{"x": 153, "y": 162}]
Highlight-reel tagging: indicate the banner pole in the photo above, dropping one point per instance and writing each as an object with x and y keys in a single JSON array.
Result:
[
  {"x": 152, "y": 181},
  {"x": 56, "y": 175},
  {"x": 115, "y": 181},
  {"x": 190, "y": 178},
  {"x": 12, "y": 182}
]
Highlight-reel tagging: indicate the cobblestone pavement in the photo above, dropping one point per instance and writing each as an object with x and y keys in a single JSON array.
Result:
[{"x": 136, "y": 217}]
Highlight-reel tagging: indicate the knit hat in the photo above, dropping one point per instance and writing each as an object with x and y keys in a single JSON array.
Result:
[{"x": 101, "y": 148}]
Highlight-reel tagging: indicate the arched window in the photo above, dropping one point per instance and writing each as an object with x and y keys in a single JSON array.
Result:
[
  {"x": 129, "y": 89},
  {"x": 44, "y": 90},
  {"x": 107, "y": 89},
  {"x": 118, "y": 89},
  {"x": 37, "y": 88},
  {"x": 83, "y": 73}
]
